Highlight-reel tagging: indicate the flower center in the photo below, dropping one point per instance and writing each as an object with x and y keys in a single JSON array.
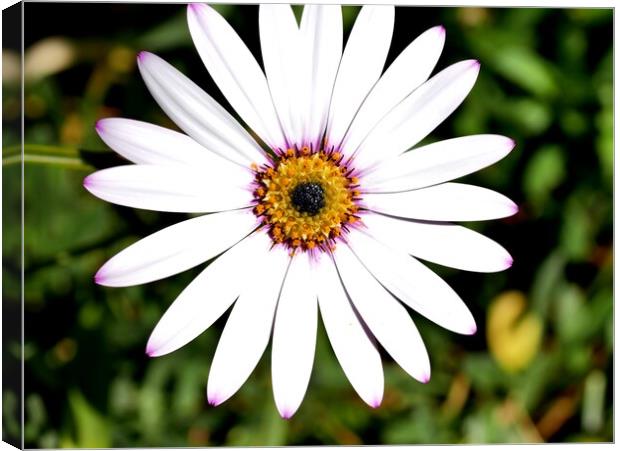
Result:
[{"x": 306, "y": 199}]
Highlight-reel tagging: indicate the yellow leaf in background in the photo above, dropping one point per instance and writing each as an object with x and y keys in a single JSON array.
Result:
[
  {"x": 121, "y": 59},
  {"x": 72, "y": 130},
  {"x": 11, "y": 66},
  {"x": 47, "y": 57},
  {"x": 513, "y": 334}
]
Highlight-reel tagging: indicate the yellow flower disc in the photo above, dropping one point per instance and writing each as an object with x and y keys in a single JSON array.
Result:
[{"x": 311, "y": 228}]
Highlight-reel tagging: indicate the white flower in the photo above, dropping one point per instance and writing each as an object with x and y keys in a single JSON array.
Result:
[{"x": 332, "y": 217}]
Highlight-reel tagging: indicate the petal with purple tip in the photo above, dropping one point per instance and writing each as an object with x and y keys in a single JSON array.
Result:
[
  {"x": 205, "y": 299},
  {"x": 196, "y": 113},
  {"x": 445, "y": 202},
  {"x": 437, "y": 163},
  {"x": 443, "y": 243},
  {"x": 248, "y": 328},
  {"x": 144, "y": 143},
  {"x": 410, "y": 69},
  {"x": 386, "y": 318},
  {"x": 172, "y": 188},
  {"x": 354, "y": 349},
  {"x": 418, "y": 115},
  {"x": 413, "y": 283},
  {"x": 294, "y": 337},
  {"x": 176, "y": 248}
]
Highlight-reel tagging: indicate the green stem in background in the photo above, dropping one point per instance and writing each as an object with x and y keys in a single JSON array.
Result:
[
  {"x": 67, "y": 157},
  {"x": 40, "y": 149}
]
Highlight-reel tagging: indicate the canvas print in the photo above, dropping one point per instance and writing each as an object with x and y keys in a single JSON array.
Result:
[{"x": 269, "y": 225}]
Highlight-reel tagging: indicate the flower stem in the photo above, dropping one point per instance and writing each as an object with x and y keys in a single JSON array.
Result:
[{"x": 67, "y": 157}]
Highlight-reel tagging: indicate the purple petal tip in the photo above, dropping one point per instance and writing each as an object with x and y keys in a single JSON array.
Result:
[
  {"x": 99, "y": 278},
  {"x": 512, "y": 143},
  {"x": 286, "y": 414},
  {"x": 473, "y": 329},
  {"x": 150, "y": 350},
  {"x": 441, "y": 29},
  {"x": 475, "y": 63},
  {"x": 214, "y": 400},
  {"x": 142, "y": 55},
  {"x": 425, "y": 378},
  {"x": 87, "y": 182},
  {"x": 509, "y": 262},
  {"x": 376, "y": 403},
  {"x": 99, "y": 125}
]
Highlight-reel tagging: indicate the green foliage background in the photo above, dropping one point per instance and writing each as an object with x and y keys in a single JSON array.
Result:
[{"x": 546, "y": 81}]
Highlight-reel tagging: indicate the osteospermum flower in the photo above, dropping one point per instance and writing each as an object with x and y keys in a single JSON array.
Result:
[{"x": 327, "y": 207}]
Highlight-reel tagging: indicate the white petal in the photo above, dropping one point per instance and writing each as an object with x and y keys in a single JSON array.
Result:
[
  {"x": 437, "y": 163},
  {"x": 204, "y": 300},
  {"x": 279, "y": 37},
  {"x": 362, "y": 62},
  {"x": 321, "y": 49},
  {"x": 408, "y": 71},
  {"x": 144, "y": 143},
  {"x": 247, "y": 331},
  {"x": 176, "y": 248},
  {"x": 447, "y": 244},
  {"x": 445, "y": 202},
  {"x": 172, "y": 188},
  {"x": 386, "y": 318},
  {"x": 418, "y": 115},
  {"x": 294, "y": 337},
  {"x": 236, "y": 72},
  {"x": 196, "y": 112},
  {"x": 413, "y": 283},
  {"x": 356, "y": 353}
]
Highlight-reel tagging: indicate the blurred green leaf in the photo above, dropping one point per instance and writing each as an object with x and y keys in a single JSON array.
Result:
[
  {"x": 593, "y": 407},
  {"x": 526, "y": 69},
  {"x": 532, "y": 117},
  {"x": 420, "y": 426},
  {"x": 486, "y": 426},
  {"x": 590, "y": 16},
  {"x": 189, "y": 394},
  {"x": 578, "y": 226},
  {"x": 123, "y": 396},
  {"x": 484, "y": 373},
  {"x": 573, "y": 321},
  {"x": 605, "y": 143},
  {"x": 545, "y": 172},
  {"x": 10, "y": 415},
  {"x": 574, "y": 45},
  {"x": 547, "y": 280},
  {"x": 573, "y": 123},
  {"x": 91, "y": 427},
  {"x": 35, "y": 417},
  {"x": 166, "y": 36},
  {"x": 530, "y": 386}
]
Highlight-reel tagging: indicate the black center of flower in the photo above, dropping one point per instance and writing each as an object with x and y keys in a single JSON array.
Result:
[{"x": 308, "y": 198}]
